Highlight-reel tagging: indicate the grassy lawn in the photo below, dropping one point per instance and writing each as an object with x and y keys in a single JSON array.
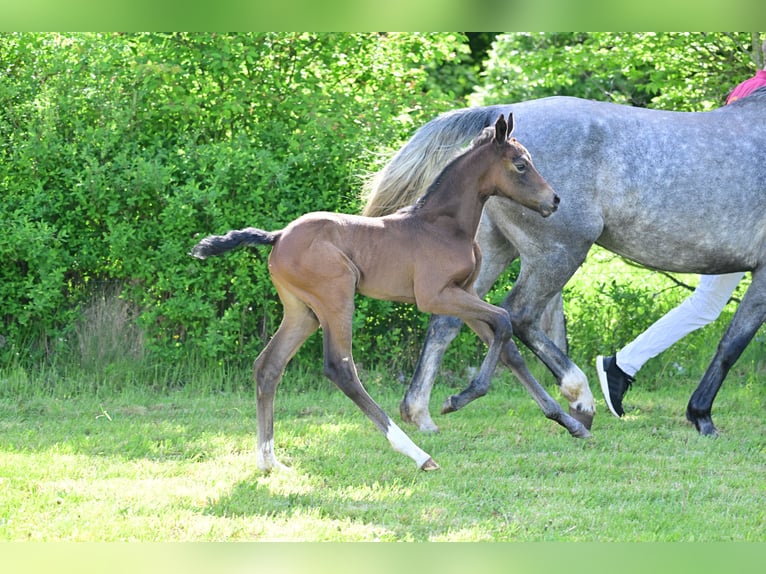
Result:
[
  {"x": 180, "y": 466},
  {"x": 107, "y": 456}
]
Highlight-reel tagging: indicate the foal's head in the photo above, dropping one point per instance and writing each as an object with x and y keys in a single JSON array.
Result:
[{"x": 514, "y": 175}]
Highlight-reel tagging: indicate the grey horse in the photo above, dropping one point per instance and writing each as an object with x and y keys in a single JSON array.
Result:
[{"x": 675, "y": 191}]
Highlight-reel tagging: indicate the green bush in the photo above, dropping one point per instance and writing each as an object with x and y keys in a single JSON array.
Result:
[
  {"x": 684, "y": 71},
  {"x": 122, "y": 150}
]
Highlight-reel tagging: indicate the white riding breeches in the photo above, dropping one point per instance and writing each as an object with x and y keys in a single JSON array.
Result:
[{"x": 699, "y": 309}]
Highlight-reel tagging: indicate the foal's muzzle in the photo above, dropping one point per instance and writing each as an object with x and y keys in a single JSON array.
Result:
[{"x": 545, "y": 212}]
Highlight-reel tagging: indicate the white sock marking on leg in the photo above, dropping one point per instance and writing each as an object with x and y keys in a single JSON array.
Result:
[
  {"x": 403, "y": 444},
  {"x": 574, "y": 386}
]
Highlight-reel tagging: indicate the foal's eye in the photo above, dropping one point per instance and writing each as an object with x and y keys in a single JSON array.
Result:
[{"x": 520, "y": 166}]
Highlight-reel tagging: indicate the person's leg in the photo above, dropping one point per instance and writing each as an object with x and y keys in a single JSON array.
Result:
[{"x": 702, "y": 307}]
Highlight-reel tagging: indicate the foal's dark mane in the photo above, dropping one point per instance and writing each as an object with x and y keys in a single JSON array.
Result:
[{"x": 485, "y": 136}]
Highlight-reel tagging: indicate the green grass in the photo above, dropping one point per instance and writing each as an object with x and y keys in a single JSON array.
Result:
[
  {"x": 180, "y": 466},
  {"x": 119, "y": 448}
]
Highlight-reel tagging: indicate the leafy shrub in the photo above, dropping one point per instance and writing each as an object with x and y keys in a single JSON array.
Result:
[
  {"x": 691, "y": 71},
  {"x": 122, "y": 150}
]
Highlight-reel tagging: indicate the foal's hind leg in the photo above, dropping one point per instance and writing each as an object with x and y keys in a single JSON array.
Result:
[{"x": 298, "y": 323}]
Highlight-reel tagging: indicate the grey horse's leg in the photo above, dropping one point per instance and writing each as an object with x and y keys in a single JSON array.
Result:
[
  {"x": 553, "y": 322},
  {"x": 442, "y": 329},
  {"x": 750, "y": 315},
  {"x": 526, "y": 302}
]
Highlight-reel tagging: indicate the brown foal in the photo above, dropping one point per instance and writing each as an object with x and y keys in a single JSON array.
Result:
[{"x": 425, "y": 254}]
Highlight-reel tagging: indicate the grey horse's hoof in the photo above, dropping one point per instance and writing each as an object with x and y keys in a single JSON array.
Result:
[
  {"x": 703, "y": 423},
  {"x": 421, "y": 419},
  {"x": 429, "y": 465},
  {"x": 583, "y": 417}
]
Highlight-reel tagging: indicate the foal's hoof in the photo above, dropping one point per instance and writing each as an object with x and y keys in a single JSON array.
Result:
[
  {"x": 449, "y": 405},
  {"x": 584, "y": 417},
  {"x": 429, "y": 465}
]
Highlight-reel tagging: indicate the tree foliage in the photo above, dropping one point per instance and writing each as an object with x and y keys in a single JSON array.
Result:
[
  {"x": 118, "y": 149},
  {"x": 677, "y": 71}
]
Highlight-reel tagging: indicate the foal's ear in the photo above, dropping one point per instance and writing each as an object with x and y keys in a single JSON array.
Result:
[{"x": 501, "y": 130}]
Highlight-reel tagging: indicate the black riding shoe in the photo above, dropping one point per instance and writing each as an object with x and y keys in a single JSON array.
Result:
[{"x": 614, "y": 383}]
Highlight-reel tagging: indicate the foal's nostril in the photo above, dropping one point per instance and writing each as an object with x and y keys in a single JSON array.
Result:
[{"x": 556, "y": 200}]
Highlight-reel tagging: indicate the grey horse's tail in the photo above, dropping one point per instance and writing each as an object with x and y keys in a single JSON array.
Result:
[
  {"x": 409, "y": 173},
  {"x": 217, "y": 244}
]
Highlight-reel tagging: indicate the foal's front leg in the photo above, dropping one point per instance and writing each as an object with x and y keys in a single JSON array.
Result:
[
  {"x": 512, "y": 358},
  {"x": 497, "y": 253},
  {"x": 479, "y": 386},
  {"x": 492, "y": 324}
]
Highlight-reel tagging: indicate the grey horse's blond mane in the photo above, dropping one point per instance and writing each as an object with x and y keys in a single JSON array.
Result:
[
  {"x": 410, "y": 171},
  {"x": 407, "y": 176}
]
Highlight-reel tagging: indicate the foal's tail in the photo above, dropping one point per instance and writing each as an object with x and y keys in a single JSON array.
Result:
[
  {"x": 409, "y": 173},
  {"x": 217, "y": 244}
]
